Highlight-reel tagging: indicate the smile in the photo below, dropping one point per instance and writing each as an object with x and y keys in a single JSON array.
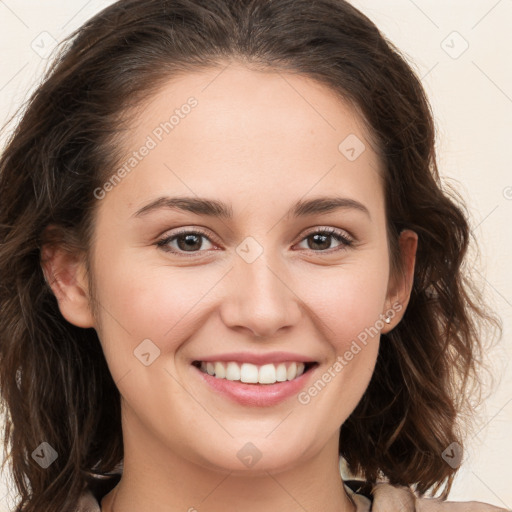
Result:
[{"x": 254, "y": 374}]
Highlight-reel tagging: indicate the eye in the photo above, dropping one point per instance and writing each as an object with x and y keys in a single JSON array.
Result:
[
  {"x": 190, "y": 241},
  {"x": 321, "y": 239},
  {"x": 186, "y": 241}
]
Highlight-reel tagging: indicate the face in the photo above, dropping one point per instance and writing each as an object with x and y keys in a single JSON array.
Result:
[{"x": 279, "y": 279}]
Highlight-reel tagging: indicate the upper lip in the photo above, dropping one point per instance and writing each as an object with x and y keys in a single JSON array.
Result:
[{"x": 258, "y": 358}]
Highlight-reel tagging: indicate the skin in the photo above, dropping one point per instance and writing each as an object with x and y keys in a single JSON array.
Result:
[{"x": 259, "y": 141}]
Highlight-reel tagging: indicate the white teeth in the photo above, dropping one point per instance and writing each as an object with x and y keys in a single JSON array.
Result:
[
  {"x": 220, "y": 371},
  {"x": 232, "y": 371},
  {"x": 281, "y": 374},
  {"x": 249, "y": 373},
  {"x": 253, "y": 374},
  {"x": 292, "y": 371},
  {"x": 267, "y": 374}
]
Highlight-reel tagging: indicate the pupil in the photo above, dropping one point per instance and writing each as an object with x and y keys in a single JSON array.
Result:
[
  {"x": 191, "y": 242},
  {"x": 323, "y": 239}
]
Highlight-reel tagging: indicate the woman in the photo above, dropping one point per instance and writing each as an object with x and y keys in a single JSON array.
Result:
[{"x": 228, "y": 262}]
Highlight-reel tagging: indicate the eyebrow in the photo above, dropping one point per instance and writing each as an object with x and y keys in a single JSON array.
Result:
[{"x": 214, "y": 208}]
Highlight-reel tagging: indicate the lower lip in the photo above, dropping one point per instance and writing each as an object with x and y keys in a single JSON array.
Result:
[{"x": 257, "y": 395}]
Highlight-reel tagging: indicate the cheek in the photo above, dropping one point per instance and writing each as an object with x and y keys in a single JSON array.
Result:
[
  {"x": 154, "y": 302},
  {"x": 348, "y": 312},
  {"x": 348, "y": 306},
  {"x": 347, "y": 301},
  {"x": 138, "y": 302}
]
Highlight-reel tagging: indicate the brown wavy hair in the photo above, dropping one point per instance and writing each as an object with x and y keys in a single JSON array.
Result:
[{"x": 55, "y": 384}]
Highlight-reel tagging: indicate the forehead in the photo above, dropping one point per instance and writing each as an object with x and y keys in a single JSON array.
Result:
[{"x": 248, "y": 132}]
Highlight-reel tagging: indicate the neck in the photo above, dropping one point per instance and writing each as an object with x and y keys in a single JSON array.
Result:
[{"x": 156, "y": 478}]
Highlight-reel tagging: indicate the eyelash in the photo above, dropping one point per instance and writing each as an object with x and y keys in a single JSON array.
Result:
[{"x": 335, "y": 233}]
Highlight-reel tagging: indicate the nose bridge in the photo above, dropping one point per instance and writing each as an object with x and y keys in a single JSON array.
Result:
[{"x": 259, "y": 298}]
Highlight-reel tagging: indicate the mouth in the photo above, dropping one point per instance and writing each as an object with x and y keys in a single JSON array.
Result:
[{"x": 249, "y": 373}]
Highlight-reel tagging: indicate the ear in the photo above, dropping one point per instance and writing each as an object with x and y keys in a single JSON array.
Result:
[
  {"x": 400, "y": 286},
  {"x": 64, "y": 271}
]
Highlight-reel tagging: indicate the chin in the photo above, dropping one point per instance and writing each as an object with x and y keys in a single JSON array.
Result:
[{"x": 257, "y": 457}]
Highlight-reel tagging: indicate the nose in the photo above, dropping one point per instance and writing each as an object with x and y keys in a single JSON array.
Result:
[{"x": 259, "y": 298}]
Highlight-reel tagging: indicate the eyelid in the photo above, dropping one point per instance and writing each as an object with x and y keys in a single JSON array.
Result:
[
  {"x": 347, "y": 239},
  {"x": 190, "y": 230},
  {"x": 165, "y": 238},
  {"x": 330, "y": 230}
]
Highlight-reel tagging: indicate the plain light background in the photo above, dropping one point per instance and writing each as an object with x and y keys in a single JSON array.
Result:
[{"x": 461, "y": 50}]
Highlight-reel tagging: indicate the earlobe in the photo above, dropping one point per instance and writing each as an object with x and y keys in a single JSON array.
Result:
[
  {"x": 400, "y": 286},
  {"x": 64, "y": 271}
]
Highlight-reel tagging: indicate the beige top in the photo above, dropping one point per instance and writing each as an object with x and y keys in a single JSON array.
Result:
[{"x": 362, "y": 502}]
